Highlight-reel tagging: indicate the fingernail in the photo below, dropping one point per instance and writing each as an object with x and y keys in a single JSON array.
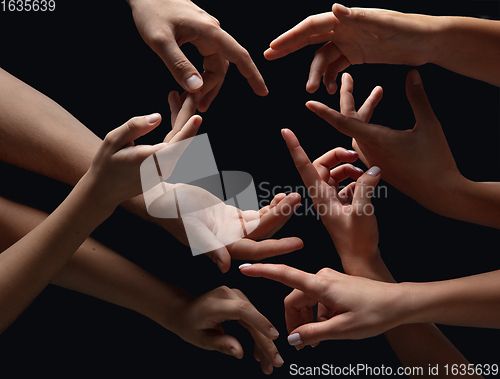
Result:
[
  {"x": 219, "y": 263},
  {"x": 415, "y": 78},
  {"x": 272, "y": 330},
  {"x": 247, "y": 265},
  {"x": 194, "y": 82},
  {"x": 374, "y": 171},
  {"x": 343, "y": 9},
  {"x": 360, "y": 170},
  {"x": 233, "y": 351},
  {"x": 278, "y": 359},
  {"x": 294, "y": 339},
  {"x": 352, "y": 151},
  {"x": 270, "y": 367},
  {"x": 152, "y": 118}
]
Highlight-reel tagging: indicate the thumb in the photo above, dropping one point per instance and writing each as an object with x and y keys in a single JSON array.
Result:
[
  {"x": 221, "y": 258},
  {"x": 418, "y": 99},
  {"x": 365, "y": 185},
  {"x": 134, "y": 128},
  {"x": 224, "y": 343},
  {"x": 362, "y": 18},
  {"x": 315, "y": 332},
  {"x": 181, "y": 68}
]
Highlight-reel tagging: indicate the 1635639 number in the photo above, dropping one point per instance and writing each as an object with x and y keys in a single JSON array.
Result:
[{"x": 27, "y": 5}]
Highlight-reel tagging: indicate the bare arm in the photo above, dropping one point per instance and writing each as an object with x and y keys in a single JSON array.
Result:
[
  {"x": 39, "y": 135},
  {"x": 95, "y": 269},
  {"x": 466, "y": 45},
  {"x": 98, "y": 271},
  {"x": 353, "y": 228}
]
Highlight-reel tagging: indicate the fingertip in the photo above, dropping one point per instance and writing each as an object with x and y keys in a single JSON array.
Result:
[
  {"x": 340, "y": 10},
  {"x": 374, "y": 171},
  {"x": 236, "y": 352},
  {"x": 244, "y": 265},
  {"x": 194, "y": 83},
  {"x": 153, "y": 118},
  {"x": 415, "y": 78}
]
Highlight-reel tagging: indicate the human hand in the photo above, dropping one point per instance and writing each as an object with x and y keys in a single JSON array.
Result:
[
  {"x": 347, "y": 215},
  {"x": 165, "y": 25},
  {"x": 417, "y": 161},
  {"x": 198, "y": 321},
  {"x": 115, "y": 169},
  {"x": 225, "y": 232},
  {"x": 221, "y": 222},
  {"x": 356, "y": 36},
  {"x": 349, "y": 307}
]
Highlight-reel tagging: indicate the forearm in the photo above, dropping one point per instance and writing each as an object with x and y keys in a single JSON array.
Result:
[
  {"x": 31, "y": 263},
  {"x": 416, "y": 345},
  {"x": 469, "y": 46},
  {"x": 470, "y": 301},
  {"x": 97, "y": 270},
  {"x": 477, "y": 202},
  {"x": 39, "y": 135}
]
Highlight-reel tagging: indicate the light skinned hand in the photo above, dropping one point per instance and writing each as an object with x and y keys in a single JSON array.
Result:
[
  {"x": 165, "y": 25},
  {"x": 210, "y": 222},
  {"x": 199, "y": 318},
  {"x": 417, "y": 161},
  {"x": 115, "y": 169},
  {"x": 355, "y": 36},
  {"x": 349, "y": 307},
  {"x": 257, "y": 244},
  {"x": 348, "y": 215}
]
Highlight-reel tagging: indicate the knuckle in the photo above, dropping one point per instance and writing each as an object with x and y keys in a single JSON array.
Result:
[
  {"x": 181, "y": 64},
  {"x": 243, "y": 306},
  {"x": 268, "y": 348},
  {"x": 325, "y": 271},
  {"x": 157, "y": 38},
  {"x": 224, "y": 291}
]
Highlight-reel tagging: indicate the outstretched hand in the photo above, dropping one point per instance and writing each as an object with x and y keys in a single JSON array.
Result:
[
  {"x": 349, "y": 307},
  {"x": 219, "y": 221},
  {"x": 407, "y": 158},
  {"x": 166, "y": 25},
  {"x": 199, "y": 318},
  {"x": 356, "y": 36}
]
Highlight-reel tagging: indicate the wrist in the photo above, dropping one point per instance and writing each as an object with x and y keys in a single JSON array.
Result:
[
  {"x": 438, "y": 39},
  {"x": 168, "y": 307},
  {"x": 370, "y": 266},
  {"x": 92, "y": 198}
]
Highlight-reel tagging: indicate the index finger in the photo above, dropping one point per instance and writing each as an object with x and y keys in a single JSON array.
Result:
[
  {"x": 287, "y": 275},
  {"x": 317, "y": 24},
  {"x": 306, "y": 169},
  {"x": 231, "y": 50}
]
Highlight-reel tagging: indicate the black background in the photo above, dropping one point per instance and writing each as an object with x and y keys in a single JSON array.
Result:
[{"x": 89, "y": 57}]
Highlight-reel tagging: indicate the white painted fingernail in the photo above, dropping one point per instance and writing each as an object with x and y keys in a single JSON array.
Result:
[
  {"x": 244, "y": 265},
  {"x": 374, "y": 171},
  {"x": 294, "y": 339},
  {"x": 278, "y": 359},
  {"x": 358, "y": 169},
  {"x": 273, "y": 332},
  {"x": 194, "y": 82},
  {"x": 352, "y": 151}
]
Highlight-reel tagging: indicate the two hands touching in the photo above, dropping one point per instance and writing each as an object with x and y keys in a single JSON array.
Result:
[{"x": 165, "y": 25}]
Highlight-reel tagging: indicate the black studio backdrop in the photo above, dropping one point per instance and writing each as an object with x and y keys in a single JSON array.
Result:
[{"x": 89, "y": 57}]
